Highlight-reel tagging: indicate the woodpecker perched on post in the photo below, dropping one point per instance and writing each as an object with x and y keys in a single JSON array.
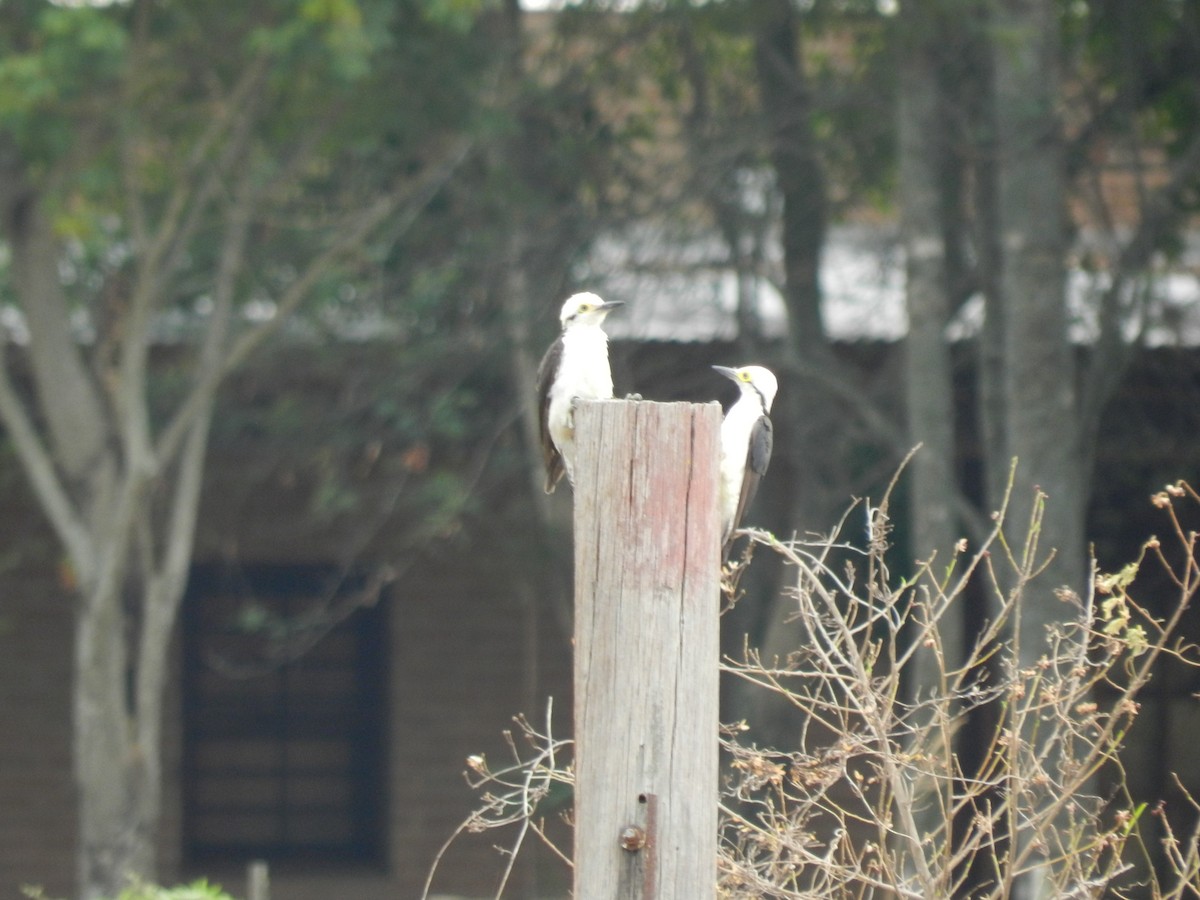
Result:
[
  {"x": 575, "y": 367},
  {"x": 745, "y": 445}
]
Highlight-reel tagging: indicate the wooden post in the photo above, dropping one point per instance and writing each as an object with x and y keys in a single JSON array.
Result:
[{"x": 647, "y": 599}]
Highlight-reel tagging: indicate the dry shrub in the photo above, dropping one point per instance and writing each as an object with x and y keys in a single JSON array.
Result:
[{"x": 881, "y": 796}]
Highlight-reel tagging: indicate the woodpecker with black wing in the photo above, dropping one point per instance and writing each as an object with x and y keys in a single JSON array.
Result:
[
  {"x": 746, "y": 439},
  {"x": 575, "y": 367}
]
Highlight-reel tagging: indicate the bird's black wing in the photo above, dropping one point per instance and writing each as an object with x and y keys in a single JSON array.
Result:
[
  {"x": 545, "y": 378},
  {"x": 758, "y": 457}
]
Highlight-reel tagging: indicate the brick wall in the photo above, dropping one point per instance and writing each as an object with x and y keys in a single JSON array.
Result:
[
  {"x": 468, "y": 658},
  {"x": 467, "y": 654},
  {"x": 37, "y": 831}
]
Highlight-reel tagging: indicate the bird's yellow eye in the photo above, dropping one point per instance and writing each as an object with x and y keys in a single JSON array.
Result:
[
  {"x": 585, "y": 307},
  {"x": 743, "y": 376}
]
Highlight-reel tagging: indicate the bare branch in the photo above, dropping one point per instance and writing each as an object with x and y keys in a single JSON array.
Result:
[
  {"x": 408, "y": 200},
  {"x": 43, "y": 476},
  {"x": 836, "y": 814}
]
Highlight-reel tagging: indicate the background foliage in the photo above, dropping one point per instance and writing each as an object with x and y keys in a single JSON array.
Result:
[{"x": 180, "y": 181}]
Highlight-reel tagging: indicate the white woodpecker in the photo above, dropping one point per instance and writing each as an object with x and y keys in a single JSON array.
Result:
[
  {"x": 745, "y": 445},
  {"x": 575, "y": 367}
]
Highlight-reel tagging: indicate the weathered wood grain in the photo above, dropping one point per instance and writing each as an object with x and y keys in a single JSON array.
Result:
[{"x": 647, "y": 569}]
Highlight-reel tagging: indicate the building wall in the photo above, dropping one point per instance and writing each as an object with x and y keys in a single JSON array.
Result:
[
  {"x": 473, "y": 642},
  {"x": 37, "y": 842},
  {"x": 466, "y": 657},
  {"x": 467, "y": 654}
]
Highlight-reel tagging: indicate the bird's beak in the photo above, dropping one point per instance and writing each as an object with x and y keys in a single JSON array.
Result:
[
  {"x": 610, "y": 305},
  {"x": 727, "y": 372}
]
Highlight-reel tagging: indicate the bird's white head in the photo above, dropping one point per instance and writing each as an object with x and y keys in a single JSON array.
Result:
[
  {"x": 586, "y": 309},
  {"x": 754, "y": 379}
]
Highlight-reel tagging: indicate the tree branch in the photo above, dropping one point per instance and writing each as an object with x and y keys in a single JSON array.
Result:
[
  {"x": 414, "y": 199},
  {"x": 163, "y": 255},
  {"x": 166, "y": 586},
  {"x": 171, "y": 233},
  {"x": 834, "y": 379},
  {"x": 1159, "y": 214},
  {"x": 39, "y": 467}
]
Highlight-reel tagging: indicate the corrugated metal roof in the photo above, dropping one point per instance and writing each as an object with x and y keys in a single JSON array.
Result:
[
  {"x": 683, "y": 288},
  {"x": 689, "y": 292}
]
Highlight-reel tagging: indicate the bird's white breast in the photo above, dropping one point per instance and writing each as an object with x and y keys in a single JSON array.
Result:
[
  {"x": 583, "y": 372},
  {"x": 735, "y": 444}
]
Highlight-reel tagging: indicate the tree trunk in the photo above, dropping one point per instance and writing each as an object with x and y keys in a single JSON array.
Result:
[
  {"x": 96, "y": 499},
  {"x": 75, "y": 475},
  {"x": 121, "y": 495},
  {"x": 929, "y": 386},
  {"x": 787, "y": 108},
  {"x": 66, "y": 392},
  {"x": 118, "y": 808},
  {"x": 1040, "y": 409},
  {"x": 804, "y": 493},
  {"x": 975, "y": 94},
  {"x": 926, "y": 215},
  {"x": 806, "y": 412}
]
